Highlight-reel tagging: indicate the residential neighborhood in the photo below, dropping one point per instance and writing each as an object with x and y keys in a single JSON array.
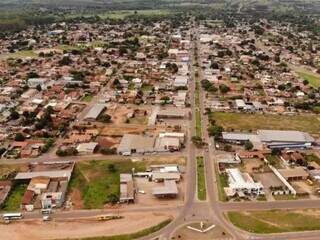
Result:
[{"x": 170, "y": 120}]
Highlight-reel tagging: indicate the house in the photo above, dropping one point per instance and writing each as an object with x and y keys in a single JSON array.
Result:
[
  {"x": 294, "y": 174},
  {"x": 179, "y": 100},
  {"x": 127, "y": 189},
  {"x": 242, "y": 184},
  {"x": 34, "y": 82},
  {"x": 87, "y": 148},
  {"x": 164, "y": 144},
  {"x": 180, "y": 81},
  {"x": 292, "y": 157},
  {"x": 172, "y": 113},
  {"x": 168, "y": 190},
  {"x": 137, "y": 82},
  {"x": 27, "y": 200},
  {"x": 94, "y": 112},
  {"x": 38, "y": 184}
]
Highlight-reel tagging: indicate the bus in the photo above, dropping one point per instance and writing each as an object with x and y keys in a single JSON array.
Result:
[{"x": 12, "y": 216}]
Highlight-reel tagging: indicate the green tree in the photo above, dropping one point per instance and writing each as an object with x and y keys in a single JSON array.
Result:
[
  {"x": 19, "y": 137},
  {"x": 248, "y": 145}
]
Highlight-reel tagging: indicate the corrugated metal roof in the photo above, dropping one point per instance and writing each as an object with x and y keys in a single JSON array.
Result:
[{"x": 95, "y": 111}]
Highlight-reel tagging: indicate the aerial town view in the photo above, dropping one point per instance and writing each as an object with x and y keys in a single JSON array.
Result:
[{"x": 160, "y": 120}]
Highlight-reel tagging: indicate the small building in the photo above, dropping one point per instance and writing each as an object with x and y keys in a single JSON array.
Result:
[
  {"x": 294, "y": 174},
  {"x": 38, "y": 184},
  {"x": 173, "y": 113},
  {"x": 242, "y": 183},
  {"x": 180, "y": 81},
  {"x": 87, "y": 148},
  {"x": 164, "y": 144},
  {"x": 163, "y": 176},
  {"x": 169, "y": 190}
]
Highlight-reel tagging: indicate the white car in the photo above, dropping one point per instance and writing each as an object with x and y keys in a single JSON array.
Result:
[{"x": 46, "y": 218}]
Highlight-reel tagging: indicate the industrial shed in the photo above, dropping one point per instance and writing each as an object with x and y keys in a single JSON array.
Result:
[
  {"x": 94, "y": 112},
  {"x": 131, "y": 143},
  {"x": 169, "y": 190}
]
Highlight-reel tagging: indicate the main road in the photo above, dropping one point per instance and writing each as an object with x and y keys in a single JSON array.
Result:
[{"x": 212, "y": 209}]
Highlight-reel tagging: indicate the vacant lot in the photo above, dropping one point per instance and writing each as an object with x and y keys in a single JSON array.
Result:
[
  {"x": 14, "y": 200},
  {"x": 247, "y": 122},
  {"x": 132, "y": 226},
  {"x": 276, "y": 221},
  {"x": 95, "y": 183}
]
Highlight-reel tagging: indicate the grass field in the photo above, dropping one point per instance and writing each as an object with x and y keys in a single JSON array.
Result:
[
  {"x": 119, "y": 15},
  {"x": 98, "y": 182},
  {"x": 14, "y": 200},
  {"x": 276, "y": 221},
  {"x": 313, "y": 79},
  {"x": 201, "y": 180},
  {"x": 135, "y": 235},
  {"x": 19, "y": 54},
  {"x": 247, "y": 122}
]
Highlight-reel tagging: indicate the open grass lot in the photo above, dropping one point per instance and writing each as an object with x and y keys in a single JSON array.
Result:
[
  {"x": 201, "y": 181},
  {"x": 19, "y": 54},
  {"x": 312, "y": 78},
  {"x": 121, "y": 14},
  {"x": 98, "y": 181},
  {"x": 247, "y": 122},
  {"x": 276, "y": 221},
  {"x": 14, "y": 200}
]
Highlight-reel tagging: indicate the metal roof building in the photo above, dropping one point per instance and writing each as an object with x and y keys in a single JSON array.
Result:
[
  {"x": 94, "y": 112},
  {"x": 131, "y": 143},
  {"x": 127, "y": 190},
  {"x": 169, "y": 189},
  {"x": 284, "y": 136}
]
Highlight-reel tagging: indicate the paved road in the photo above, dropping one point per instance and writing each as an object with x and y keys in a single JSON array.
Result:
[{"x": 88, "y": 157}]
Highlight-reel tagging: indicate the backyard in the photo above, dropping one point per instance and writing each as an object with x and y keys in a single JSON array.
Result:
[
  {"x": 252, "y": 122},
  {"x": 276, "y": 221}
]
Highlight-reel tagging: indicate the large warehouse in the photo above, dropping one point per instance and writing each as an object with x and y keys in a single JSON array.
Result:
[{"x": 271, "y": 138}]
